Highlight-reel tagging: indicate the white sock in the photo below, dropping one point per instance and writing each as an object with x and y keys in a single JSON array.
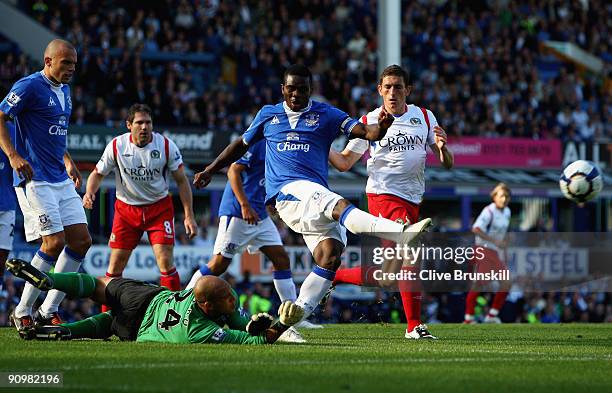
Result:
[
  {"x": 68, "y": 261},
  {"x": 44, "y": 263},
  {"x": 314, "y": 287},
  {"x": 194, "y": 278},
  {"x": 469, "y": 317},
  {"x": 493, "y": 312},
  {"x": 203, "y": 271},
  {"x": 284, "y": 285},
  {"x": 359, "y": 222}
]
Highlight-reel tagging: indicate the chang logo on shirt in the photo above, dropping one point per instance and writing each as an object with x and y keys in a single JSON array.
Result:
[
  {"x": 401, "y": 142},
  {"x": 58, "y": 130},
  {"x": 292, "y": 143}
]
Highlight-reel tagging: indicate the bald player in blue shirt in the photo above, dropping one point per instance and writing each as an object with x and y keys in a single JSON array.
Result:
[{"x": 45, "y": 175}]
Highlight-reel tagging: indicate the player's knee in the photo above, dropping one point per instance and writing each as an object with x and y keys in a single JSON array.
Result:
[
  {"x": 80, "y": 244},
  {"x": 218, "y": 265},
  {"x": 328, "y": 257},
  {"x": 341, "y": 205},
  {"x": 84, "y": 243},
  {"x": 281, "y": 264},
  {"x": 53, "y": 244}
]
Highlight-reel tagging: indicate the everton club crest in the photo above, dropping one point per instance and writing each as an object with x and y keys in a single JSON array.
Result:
[{"x": 311, "y": 119}]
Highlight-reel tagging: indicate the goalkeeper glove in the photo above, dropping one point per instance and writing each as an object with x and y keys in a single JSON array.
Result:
[
  {"x": 259, "y": 323},
  {"x": 290, "y": 313}
]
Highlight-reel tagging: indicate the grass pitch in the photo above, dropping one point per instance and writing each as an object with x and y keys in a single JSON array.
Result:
[{"x": 339, "y": 358}]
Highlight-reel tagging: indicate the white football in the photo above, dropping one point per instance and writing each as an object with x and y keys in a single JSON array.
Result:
[{"x": 581, "y": 181}]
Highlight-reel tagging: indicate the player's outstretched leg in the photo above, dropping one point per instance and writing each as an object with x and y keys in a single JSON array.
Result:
[
  {"x": 97, "y": 327},
  {"x": 22, "y": 269},
  {"x": 47, "y": 333},
  {"x": 362, "y": 223},
  {"x": 75, "y": 285}
]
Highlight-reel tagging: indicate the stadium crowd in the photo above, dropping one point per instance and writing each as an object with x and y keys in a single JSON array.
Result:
[{"x": 212, "y": 64}]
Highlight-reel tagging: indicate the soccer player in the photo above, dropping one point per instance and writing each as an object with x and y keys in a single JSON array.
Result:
[
  {"x": 244, "y": 222},
  {"x": 142, "y": 160},
  {"x": 490, "y": 229},
  {"x": 298, "y": 134},
  {"x": 150, "y": 313},
  {"x": 45, "y": 176},
  {"x": 7, "y": 207},
  {"x": 396, "y": 174}
]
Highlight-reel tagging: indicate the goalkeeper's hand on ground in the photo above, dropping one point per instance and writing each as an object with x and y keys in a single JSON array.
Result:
[{"x": 259, "y": 323}]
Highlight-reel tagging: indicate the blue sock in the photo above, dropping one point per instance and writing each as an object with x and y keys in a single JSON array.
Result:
[{"x": 205, "y": 271}]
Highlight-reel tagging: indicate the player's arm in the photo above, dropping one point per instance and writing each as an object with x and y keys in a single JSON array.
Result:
[
  {"x": 235, "y": 180},
  {"x": 93, "y": 184},
  {"x": 21, "y": 166},
  {"x": 186, "y": 196},
  {"x": 211, "y": 333},
  {"x": 105, "y": 165},
  {"x": 373, "y": 132},
  {"x": 440, "y": 148},
  {"x": 73, "y": 172},
  {"x": 231, "y": 153},
  {"x": 343, "y": 161},
  {"x": 480, "y": 233}
]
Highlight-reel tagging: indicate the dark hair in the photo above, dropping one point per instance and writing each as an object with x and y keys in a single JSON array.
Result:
[
  {"x": 297, "y": 70},
  {"x": 143, "y": 108},
  {"x": 395, "y": 70}
]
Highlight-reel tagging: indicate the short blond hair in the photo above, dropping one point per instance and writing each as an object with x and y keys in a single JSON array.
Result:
[{"x": 498, "y": 187}]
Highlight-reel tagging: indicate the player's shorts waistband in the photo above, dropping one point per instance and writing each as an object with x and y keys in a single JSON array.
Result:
[
  {"x": 286, "y": 197},
  {"x": 162, "y": 201},
  {"x": 393, "y": 197}
]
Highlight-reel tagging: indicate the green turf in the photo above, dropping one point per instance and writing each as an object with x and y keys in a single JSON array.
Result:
[{"x": 344, "y": 358}]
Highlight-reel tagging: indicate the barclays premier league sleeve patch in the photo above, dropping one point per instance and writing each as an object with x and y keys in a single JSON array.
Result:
[
  {"x": 12, "y": 99},
  {"x": 218, "y": 335}
]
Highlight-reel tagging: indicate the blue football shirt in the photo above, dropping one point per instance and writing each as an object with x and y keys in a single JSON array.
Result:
[
  {"x": 7, "y": 192},
  {"x": 297, "y": 143},
  {"x": 41, "y": 112},
  {"x": 253, "y": 182}
]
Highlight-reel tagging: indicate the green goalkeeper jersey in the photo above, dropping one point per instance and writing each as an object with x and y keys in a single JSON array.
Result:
[{"x": 175, "y": 317}]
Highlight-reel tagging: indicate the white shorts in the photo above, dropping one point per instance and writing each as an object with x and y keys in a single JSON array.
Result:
[
  {"x": 49, "y": 207},
  {"x": 7, "y": 225},
  {"x": 235, "y": 233},
  {"x": 307, "y": 207}
]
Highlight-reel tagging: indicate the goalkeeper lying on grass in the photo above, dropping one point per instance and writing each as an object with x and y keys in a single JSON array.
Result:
[{"x": 145, "y": 312}]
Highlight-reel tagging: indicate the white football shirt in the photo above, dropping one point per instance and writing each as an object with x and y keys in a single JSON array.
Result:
[
  {"x": 397, "y": 162},
  {"x": 493, "y": 222},
  {"x": 141, "y": 173}
]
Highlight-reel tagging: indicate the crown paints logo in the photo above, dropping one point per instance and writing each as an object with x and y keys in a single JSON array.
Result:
[{"x": 401, "y": 142}]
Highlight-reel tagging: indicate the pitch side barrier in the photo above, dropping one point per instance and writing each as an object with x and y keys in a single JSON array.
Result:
[{"x": 437, "y": 262}]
